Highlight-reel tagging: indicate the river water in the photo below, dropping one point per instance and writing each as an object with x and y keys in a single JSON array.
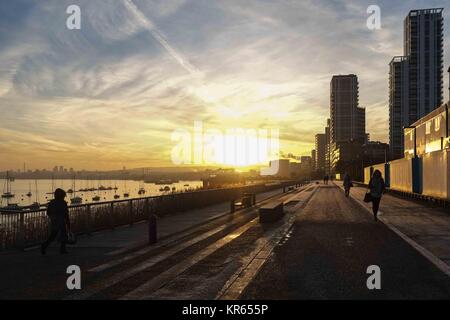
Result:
[{"x": 42, "y": 193}]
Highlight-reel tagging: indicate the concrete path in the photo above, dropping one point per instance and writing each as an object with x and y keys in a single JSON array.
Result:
[
  {"x": 329, "y": 249},
  {"x": 32, "y": 276},
  {"x": 321, "y": 249},
  {"x": 427, "y": 226}
]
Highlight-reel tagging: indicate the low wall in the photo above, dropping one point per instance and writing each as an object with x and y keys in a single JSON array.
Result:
[
  {"x": 401, "y": 175},
  {"x": 435, "y": 174},
  {"x": 369, "y": 170},
  {"x": 427, "y": 175}
]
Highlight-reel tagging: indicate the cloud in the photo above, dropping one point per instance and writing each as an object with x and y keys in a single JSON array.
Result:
[
  {"x": 113, "y": 92},
  {"x": 159, "y": 36}
]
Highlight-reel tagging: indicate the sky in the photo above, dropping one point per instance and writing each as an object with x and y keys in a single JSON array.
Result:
[{"x": 112, "y": 93}]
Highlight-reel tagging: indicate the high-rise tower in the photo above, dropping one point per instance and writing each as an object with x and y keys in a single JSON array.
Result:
[{"x": 416, "y": 79}]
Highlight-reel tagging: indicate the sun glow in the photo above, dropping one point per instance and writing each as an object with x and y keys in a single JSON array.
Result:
[{"x": 231, "y": 147}]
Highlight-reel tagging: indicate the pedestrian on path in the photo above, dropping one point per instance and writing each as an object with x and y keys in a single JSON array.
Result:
[
  {"x": 377, "y": 188},
  {"x": 325, "y": 179},
  {"x": 58, "y": 213},
  {"x": 347, "y": 184}
]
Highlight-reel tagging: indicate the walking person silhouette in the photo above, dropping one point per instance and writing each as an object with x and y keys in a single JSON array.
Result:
[
  {"x": 376, "y": 189},
  {"x": 58, "y": 213},
  {"x": 347, "y": 184}
]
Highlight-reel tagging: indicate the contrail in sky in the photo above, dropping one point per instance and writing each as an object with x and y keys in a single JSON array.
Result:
[{"x": 149, "y": 25}]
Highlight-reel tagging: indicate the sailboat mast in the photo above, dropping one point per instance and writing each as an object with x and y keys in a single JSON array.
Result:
[
  {"x": 73, "y": 187},
  {"x": 8, "y": 186},
  {"x": 53, "y": 184},
  {"x": 36, "y": 191}
]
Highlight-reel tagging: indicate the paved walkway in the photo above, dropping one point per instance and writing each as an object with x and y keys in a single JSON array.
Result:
[
  {"x": 324, "y": 255},
  {"x": 329, "y": 249},
  {"x": 22, "y": 270},
  {"x": 429, "y": 227}
]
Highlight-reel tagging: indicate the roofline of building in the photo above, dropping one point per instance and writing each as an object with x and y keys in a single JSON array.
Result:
[
  {"x": 345, "y": 75},
  {"x": 431, "y": 114},
  {"x": 421, "y": 11},
  {"x": 400, "y": 58}
]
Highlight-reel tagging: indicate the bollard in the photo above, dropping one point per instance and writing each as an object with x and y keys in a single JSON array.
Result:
[
  {"x": 152, "y": 229},
  {"x": 232, "y": 208}
]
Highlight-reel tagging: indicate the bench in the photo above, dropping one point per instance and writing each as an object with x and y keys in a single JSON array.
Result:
[
  {"x": 245, "y": 202},
  {"x": 271, "y": 212},
  {"x": 248, "y": 200},
  {"x": 252, "y": 196}
]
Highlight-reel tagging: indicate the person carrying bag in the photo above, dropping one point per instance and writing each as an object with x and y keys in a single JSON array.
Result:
[{"x": 376, "y": 189}]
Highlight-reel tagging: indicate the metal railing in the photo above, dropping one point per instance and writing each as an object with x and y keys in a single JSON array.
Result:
[{"x": 20, "y": 229}]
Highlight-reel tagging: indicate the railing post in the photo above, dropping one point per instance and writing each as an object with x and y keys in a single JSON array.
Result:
[
  {"x": 152, "y": 224},
  {"x": 130, "y": 211},
  {"x": 111, "y": 215},
  {"x": 88, "y": 219},
  {"x": 147, "y": 208},
  {"x": 22, "y": 230}
]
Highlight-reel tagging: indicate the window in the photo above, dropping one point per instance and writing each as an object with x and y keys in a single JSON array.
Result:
[
  {"x": 428, "y": 127},
  {"x": 437, "y": 123}
]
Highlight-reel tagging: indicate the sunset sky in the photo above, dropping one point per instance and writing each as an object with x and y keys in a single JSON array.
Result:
[{"x": 111, "y": 94}]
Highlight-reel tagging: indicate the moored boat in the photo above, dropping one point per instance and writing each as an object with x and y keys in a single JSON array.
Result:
[
  {"x": 76, "y": 200},
  {"x": 13, "y": 207},
  {"x": 35, "y": 206},
  {"x": 8, "y": 194}
]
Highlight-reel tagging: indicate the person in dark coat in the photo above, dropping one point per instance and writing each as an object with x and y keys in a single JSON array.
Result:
[
  {"x": 58, "y": 213},
  {"x": 347, "y": 184},
  {"x": 377, "y": 187}
]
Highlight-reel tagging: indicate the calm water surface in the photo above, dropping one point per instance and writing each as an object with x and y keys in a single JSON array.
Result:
[{"x": 42, "y": 192}]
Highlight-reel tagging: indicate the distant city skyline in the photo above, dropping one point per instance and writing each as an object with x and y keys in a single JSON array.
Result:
[{"x": 110, "y": 95}]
